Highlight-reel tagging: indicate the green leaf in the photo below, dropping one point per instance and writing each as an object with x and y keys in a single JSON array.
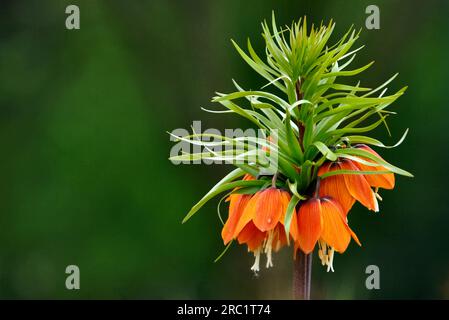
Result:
[
  {"x": 223, "y": 185},
  {"x": 262, "y": 105},
  {"x": 349, "y": 73},
  {"x": 289, "y": 214},
  {"x": 252, "y": 189},
  {"x": 325, "y": 150},
  {"x": 305, "y": 174},
  {"x": 219, "y": 205},
  {"x": 262, "y": 94},
  {"x": 257, "y": 64},
  {"x": 223, "y": 252},
  {"x": 337, "y": 172},
  {"x": 240, "y": 111},
  {"x": 368, "y": 155},
  {"x": 293, "y": 187},
  {"x": 293, "y": 140},
  {"x": 374, "y": 142},
  {"x": 308, "y": 132},
  {"x": 345, "y": 130},
  {"x": 254, "y": 171},
  {"x": 287, "y": 168}
]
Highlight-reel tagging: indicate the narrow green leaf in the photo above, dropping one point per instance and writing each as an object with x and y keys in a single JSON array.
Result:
[
  {"x": 293, "y": 187},
  {"x": 349, "y": 73},
  {"x": 243, "y": 94},
  {"x": 251, "y": 190},
  {"x": 224, "y": 251},
  {"x": 368, "y": 155},
  {"x": 374, "y": 142},
  {"x": 219, "y": 205},
  {"x": 337, "y": 172},
  {"x": 325, "y": 150},
  {"x": 223, "y": 185},
  {"x": 293, "y": 140},
  {"x": 289, "y": 214}
]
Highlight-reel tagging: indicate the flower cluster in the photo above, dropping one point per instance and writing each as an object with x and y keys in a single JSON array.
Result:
[
  {"x": 316, "y": 126},
  {"x": 257, "y": 220}
]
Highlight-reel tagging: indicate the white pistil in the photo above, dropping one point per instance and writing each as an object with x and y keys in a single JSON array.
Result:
[{"x": 255, "y": 266}]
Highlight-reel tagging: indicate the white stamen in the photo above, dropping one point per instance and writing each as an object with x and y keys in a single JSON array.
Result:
[
  {"x": 320, "y": 255},
  {"x": 326, "y": 255},
  {"x": 322, "y": 252},
  {"x": 376, "y": 204},
  {"x": 330, "y": 266},
  {"x": 268, "y": 248},
  {"x": 376, "y": 192},
  {"x": 255, "y": 266}
]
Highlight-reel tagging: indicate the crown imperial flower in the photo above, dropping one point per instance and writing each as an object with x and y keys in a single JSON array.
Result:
[
  {"x": 347, "y": 188},
  {"x": 323, "y": 220},
  {"x": 260, "y": 224},
  {"x": 312, "y": 118}
]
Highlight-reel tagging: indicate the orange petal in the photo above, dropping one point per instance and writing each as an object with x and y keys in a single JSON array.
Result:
[
  {"x": 358, "y": 187},
  {"x": 309, "y": 224},
  {"x": 248, "y": 177},
  {"x": 294, "y": 223},
  {"x": 248, "y": 214},
  {"x": 236, "y": 207},
  {"x": 335, "y": 187},
  {"x": 385, "y": 180},
  {"x": 336, "y": 232},
  {"x": 269, "y": 209},
  {"x": 252, "y": 236},
  {"x": 325, "y": 167}
]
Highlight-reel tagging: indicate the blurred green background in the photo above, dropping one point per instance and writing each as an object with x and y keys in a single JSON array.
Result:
[{"x": 84, "y": 173}]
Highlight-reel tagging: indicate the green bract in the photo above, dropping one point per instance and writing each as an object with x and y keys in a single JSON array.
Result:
[{"x": 317, "y": 117}]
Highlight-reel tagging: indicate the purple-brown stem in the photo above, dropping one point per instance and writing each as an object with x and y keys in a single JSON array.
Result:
[{"x": 302, "y": 276}]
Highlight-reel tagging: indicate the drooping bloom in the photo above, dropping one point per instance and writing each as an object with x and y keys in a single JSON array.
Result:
[
  {"x": 261, "y": 223},
  {"x": 383, "y": 180},
  {"x": 302, "y": 128},
  {"x": 347, "y": 188},
  {"x": 237, "y": 203},
  {"x": 322, "y": 220}
]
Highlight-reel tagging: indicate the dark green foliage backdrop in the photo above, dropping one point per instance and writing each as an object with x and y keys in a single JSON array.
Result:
[{"x": 84, "y": 173}]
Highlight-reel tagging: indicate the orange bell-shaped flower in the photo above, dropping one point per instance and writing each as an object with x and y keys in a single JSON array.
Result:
[
  {"x": 237, "y": 203},
  {"x": 261, "y": 224},
  {"x": 383, "y": 180},
  {"x": 346, "y": 188},
  {"x": 322, "y": 220}
]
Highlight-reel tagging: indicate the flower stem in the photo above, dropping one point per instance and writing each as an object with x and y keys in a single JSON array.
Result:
[{"x": 302, "y": 275}]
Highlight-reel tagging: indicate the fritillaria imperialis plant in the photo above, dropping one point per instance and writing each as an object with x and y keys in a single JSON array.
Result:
[{"x": 317, "y": 125}]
